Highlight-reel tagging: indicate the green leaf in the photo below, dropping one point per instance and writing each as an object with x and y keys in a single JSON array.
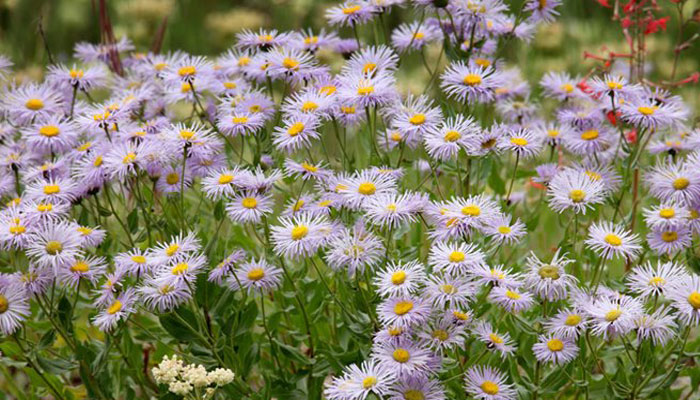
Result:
[{"x": 132, "y": 220}]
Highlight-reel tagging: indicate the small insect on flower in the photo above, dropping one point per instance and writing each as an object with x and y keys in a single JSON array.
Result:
[
  {"x": 256, "y": 276},
  {"x": 14, "y": 308},
  {"x": 685, "y": 297},
  {"x": 610, "y": 240},
  {"x": 558, "y": 350},
  {"x": 487, "y": 383},
  {"x": 120, "y": 309}
]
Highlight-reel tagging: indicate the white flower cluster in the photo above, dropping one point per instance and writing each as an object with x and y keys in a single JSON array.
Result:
[{"x": 184, "y": 379}]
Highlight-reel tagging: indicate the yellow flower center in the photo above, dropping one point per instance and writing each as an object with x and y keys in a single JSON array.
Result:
[
  {"x": 593, "y": 175},
  {"x": 84, "y": 231},
  {"x": 614, "y": 85},
  {"x": 490, "y": 387},
  {"x": 504, "y": 230},
  {"x": 98, "y": 161},
  {"x": 412, "y": 394},
  {"x": 299, "y": 232},
  {"x": 369, "y": 381},
  {"x": 567, "y": 87},
  {"x": 391, "y": 207},
  {"x": 681, "y": 183},
  {"x": 418, "y": 119},
  {"x": 4, "y": 304},
  {"x": 471, "y": 210},
  {"x": 401, "y": 355},
  {"x": 290, "y": 63},
  {"x": 240, "y": 120},
  {"x": 495, "y": 338},
  {"x": 367, "y": 188},
  {"x": 187, "y": 71},
  {"x": 49, "y": 130},
  {"x": 138, "y": 259},
  {"x": 518, "y": 141},
  {"x": 395, "y": 331},
  {"x": 172, "y": 249},
  {"x": 448, "y": 289},
  {"x": 647, "y": 110},
  {"x": 54, "y": 247},
  {"x": 115, "y": 307},
  {"x": 369, "y": 67},
  {"x": 694, "y": 300},
  {"x": 129, "y": 158},
  {"x": 460, "y": 315},
  {"x": 553, "y": 133},
  {"x": 80, "y": 266},
  {"x": 51, "y": 189},
  {"x": 44, "y": 207},
  {"x": 612, "y": 315},
  {"x": 311, "y": 40},
  {"x": 456, "y": 256},
  {"x": 396, "y": 137},
  {"x": 669, "y": 236},
  {"x": 256, "y": 274},
  {"x": 482, "y": 62},
  {"x": 352, "y": 10},
  {"x": 398, "y": 277},
  {"x": 17, "y": 229},
  {"x": 549, "y": 271},
  {"x": 472, "y": 80},
  {"x": 419, "y": 35},
  {"x": 452, "y": 136},
  {"x": 172, "y": 178},
  {"x": 512, "y": 295},
  {"x": 577, "y": 195},
  {"x": 555, "y": 345},
  {"x": 309, "y": 106},
  {"x": 657, "y": 281},
  {"x": 180, "y": 268},
  {"x": 572, "y": 320},
  {"x": 612, "y": 239},
  {"x": 365, "y": 90},
  {"x": 348, "y": 110},
  {"x": 295, "y": 129},
  {"x": 666, "y": 213},
  {"x": 328, "y": 90},
  {"x": 403, "y": 307},
  {"x": 187, "y": 135},
  {"x": 249, "y": 202},
  {"x": 309, "y": 167},
  {"x": 76, "y": 73},
  {"x": 225, "y": 179},
  {"x": 34, "y": 104},
  {"x": 440, "y": 335},
  {"x": 590, "y": 134}
]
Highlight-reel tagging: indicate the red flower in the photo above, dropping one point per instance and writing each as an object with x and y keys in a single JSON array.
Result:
[
  {"x": 631, "y": 136},
  {"x": 604, "y": 3},
  {"x": 655, "y": 25},
  {"x": 612, "y": 117},
  {"x": 627, "y": 22}
]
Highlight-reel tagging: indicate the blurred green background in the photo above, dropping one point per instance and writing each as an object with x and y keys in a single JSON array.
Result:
[{"x": 209, "y": 27}]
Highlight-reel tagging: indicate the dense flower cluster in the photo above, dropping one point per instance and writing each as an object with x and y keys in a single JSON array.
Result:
[{"x": 393, "y": 203}]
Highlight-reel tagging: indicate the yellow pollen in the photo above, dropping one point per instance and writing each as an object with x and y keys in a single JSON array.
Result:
[
  {"x": 490, "y": 387},
  {"x": 239, "y": 120},
  {"x": 311, "y": 40},
  {"x": 299, "y": 232},
  {"x": 460, "y": 315},
  {"x": 567, "y": 87},
  {"x": 187, "y": 135},
  {"x": 309, "y": 167},
  {"x": 98, "y": 161},
  {"x": 309, "y": 106},
  {"x": 138, "y": 259},
  {"x": 85, "y": 146},
  {"x": 403, "y": 307},
  {"x": 84, "y": 231},
  {"x": 255, "y": 108},
  {"x": 290, "y": 63},
  {"x": 80, "y": 266},
  {"x": 413, "y": 394},
  {"x": 518, "y": 141},
  {"x": 577, "y": 195},
  {"x": 54, "y": 247},
  {"x": 669, "y": 236},
  {"x": 612, "y": 315},
  {"x": 472, "y": 80},
  {"x": 398, "y": 277},
  {"x": 325, "y": 203},
  {"x": 694, "y": 300},
  {"x": 160, "y": 66},
  {"x": 351, "y": 10},
  {"x": 230, "y": 85},
  {"x": 553, "y": 133},
  {"x": 44, "y": 207},
  {"x": 180, "y": 268},
  {"x": 367, "y": 188},
  {"x": 76, "y": 73},
  {"x": 49, "y": 130},
  {"x": 348, "y": 110},
  {"x": 680, "y": 183},
  {"x": 448, "y": 289},
  {"x": 187, "y": 71},
  {"x": 694, "y": 214},
  {"x": 172, "y": 178},
  {"x": 369, "y": 381},
  {"x": 614, "y": 85},
  {"x": 512, "y": 295},
  {"x": 440, "y": 335},
  {"x": 391, "y": 207},
  {"x": 647, "y": 110},
  {"x": 452, "y": 136},
  {"x": 612, "y": 239},
  {"x": 666, "y": 213},
  {"x": 266, "y": 38},
  {"x": 4, "y": 304},
  {"x": 225, "y": 179},
  {"x": 456, "y": 256},
  {"x": 328, "y": 90},
  {"x": 395, "y": 331},
  {"x": 51, "y": 189},
  {"x": 471, "y": 210},
  {"x": 657, "y": 281},
  {"x": 590, "y": 135},
  {"x": 115, "y": 307},
  {"x": 555, "y": 345},
  {"x": 419, "y": 35},
  {"x": 249, "y": 202},
  {"x": 504, "y": 230},
  {"x": 365, "y": 90},
  {"x": 482, "y": 62},
  {"x": 243, "y": 61},
  {"x": 418, "y": 119},
  {"x": 17, "y": 229},
  {"x": 396, "y": 137},
  {"x": 256, "y": 274},
  {"x": 572, "y": 320},
  {"x": 295, "y": 129},
  {"x": 401, "y": 355},
  {"x": 172, "y": 249},
  {"x": 34, "y": 104},
  {"x": 129, "y": 158},
  {"x": 369, "y": 67},
  {"x": 495, "y": 338}
]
